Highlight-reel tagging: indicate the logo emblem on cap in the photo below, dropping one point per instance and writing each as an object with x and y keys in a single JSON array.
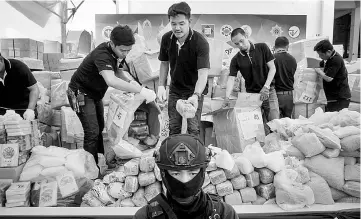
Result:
[{"x": 182, "y": 155}]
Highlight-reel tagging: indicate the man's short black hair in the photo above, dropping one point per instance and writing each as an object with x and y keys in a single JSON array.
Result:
[
  {"x": 122, "y": 35},
  {"x": 237, "y": 31},
  {"x": 323, "y": 46},
  {"x": 179, "y": 8},
  {"x": 281, "y": 42}
]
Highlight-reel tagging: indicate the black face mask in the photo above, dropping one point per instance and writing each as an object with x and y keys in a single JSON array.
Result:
[{"x": 178, "y": 189}]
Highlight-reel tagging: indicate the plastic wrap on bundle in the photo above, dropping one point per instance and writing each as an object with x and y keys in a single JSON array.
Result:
[
  {"x": 140, "y": 115},
  {"x": 139, "y": 131},
  {"x": 92, "y": 201},
  {"x": 137, "y": 123},
  {"x": 185, "y": 109}
]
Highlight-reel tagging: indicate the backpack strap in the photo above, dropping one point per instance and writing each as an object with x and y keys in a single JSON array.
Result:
[{"x": 159, "y": 208}]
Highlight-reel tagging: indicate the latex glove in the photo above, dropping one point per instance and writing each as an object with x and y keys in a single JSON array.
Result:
[
  {"x": 264, "y": 94},
  {"x": 194, "y": 101},
  {"x": 29, "y": 114},
  {"x": 162, "y": 94},
  {"x": 318, "y": 71},
  {"x": 148, "y": 94},
  {"x": 226, "y": 103}
]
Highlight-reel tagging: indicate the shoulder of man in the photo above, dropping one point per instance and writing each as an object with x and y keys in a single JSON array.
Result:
[
  {"x": 142, "y": 213},
  {"x": 197, "y": 35}
]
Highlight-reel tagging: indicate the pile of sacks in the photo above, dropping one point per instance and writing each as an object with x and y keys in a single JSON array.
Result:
[
  {"x": 52, "y": 161},
  {"x": 243, "y": 178},
  {"x": 132, "y": 185},
  {"x": 328, "y": 145}
]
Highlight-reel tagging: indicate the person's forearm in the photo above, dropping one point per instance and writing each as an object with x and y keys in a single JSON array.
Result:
[
  {"x": 270, "y": 76},
  {"x": 230, "y": 85},
  {"x": 163, "y": 73},
  {"x": 324, "y": 76},
  {"x": 122, "y": 85},
  {"x": 33, "y": 98},
  {"x": 202, "y": 81},
  {"x": 120, "y": 74}
]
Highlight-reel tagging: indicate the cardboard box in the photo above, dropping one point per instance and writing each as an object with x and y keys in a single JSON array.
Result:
[
  {"x": 12, "y": 173},
  {"x": 308, "y": 87},
  {"x": 354, "y": 83},
  {"x": 241, "y": 125},
  {"x": 306, "y": 109},
  {"x": 52, "y": 46}
]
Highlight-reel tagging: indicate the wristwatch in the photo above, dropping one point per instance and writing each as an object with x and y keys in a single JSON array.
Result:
[{"x": 197, "y": 94}]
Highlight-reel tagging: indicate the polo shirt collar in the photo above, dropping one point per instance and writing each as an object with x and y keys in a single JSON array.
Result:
[
  {"x": 109, "y": 48},
  {"x": 190, "y": 35},
  {"x": 252, "y": 47},
  {"x": 332, "y": 54}
]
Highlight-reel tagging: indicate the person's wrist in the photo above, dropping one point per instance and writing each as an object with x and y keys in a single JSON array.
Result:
[
  {"x": 197, "y": 94},
  {"x": 267, "y": 86}
]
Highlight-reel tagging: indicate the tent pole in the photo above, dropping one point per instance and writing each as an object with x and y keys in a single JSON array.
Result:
[{"x": 64, "y": 20}]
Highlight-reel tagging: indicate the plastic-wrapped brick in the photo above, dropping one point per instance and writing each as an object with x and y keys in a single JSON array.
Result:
[
  {"x": 266, "y": 191},
  {"x": 248, "y": 194},
  {"x": 145, "y": 179},
  {"x": 350, "y": 160},
  {"x": 127, "y": 203},
  {"x": 131, "y": 184},
  {"x": 131, "y": 168},
  {"x": 265, "y": 175},
  {"x": 252, "y": 179},
  {"x": 157, "y": 174},
  {"x": 217, "y": 176},
  {"x": 152, "y": 190},
  {"x": 147, "y": 164},
  {"x": 139, "y": 199},
  {"x": 116, "y": 190},
  {"x": 259, "y": 201},
  {"x": 210, "y": 189},
  {"x": 352, "y": 188},
  {"x": 230, "y": 174},
  {"x": 352, "y": 172},
  {"x": 239, "y": 182},
  {"x": 233, "y": 199},
  {"x": 224, "y": 188}
]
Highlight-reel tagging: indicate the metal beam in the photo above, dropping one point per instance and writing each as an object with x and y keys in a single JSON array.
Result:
[{"x": 47, "y": 9}]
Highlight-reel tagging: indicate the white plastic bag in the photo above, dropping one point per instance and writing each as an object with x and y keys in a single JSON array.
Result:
[
  {"x": 51, "y": 151},
  {"x": 82, "y": 164},
  {"x": 224, "y": 160},
  {"x": 275, "y": 161},
  {"x": 255, "y": 154},
  {"x": 59, "y": 97},
  {"x": 125, "y": 150}
]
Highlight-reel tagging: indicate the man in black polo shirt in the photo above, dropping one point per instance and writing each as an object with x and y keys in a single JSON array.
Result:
[
  {"x": 187, "y": 53},
  {"x": 334, "y": 74},
  {"x": 89, "y": 83},
  {"x": 256, "y": 64},
  {"x": 286, "y": 66},
  {"x": 18, "y": 88}
]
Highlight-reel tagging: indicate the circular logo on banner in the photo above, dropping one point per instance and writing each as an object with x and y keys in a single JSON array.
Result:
[
  {"x": 106, "y": 32},
  {"x": 294, "y": 32},
  {"x": 247, "y": 29},
  {"x": 8, "y": 153},
  {"x": 226, "y": 30}
]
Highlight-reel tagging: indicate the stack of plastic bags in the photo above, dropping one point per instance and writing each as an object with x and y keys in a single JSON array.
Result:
[{"x": 52, "y": 161}]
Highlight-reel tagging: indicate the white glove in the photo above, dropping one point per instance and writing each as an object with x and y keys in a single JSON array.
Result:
[
  {"x": 149, "y": 95},
  {"x": 162, "y": 94},
  {"x": 29, "y": 114}
]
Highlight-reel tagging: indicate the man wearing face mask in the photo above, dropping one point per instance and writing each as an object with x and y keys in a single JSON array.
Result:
[
  {"x": 186, "y": 52},
  {"x": 98, "y": 71},
  {"x": 256, "y": 64},
  {"x": 182, "y": 160}
]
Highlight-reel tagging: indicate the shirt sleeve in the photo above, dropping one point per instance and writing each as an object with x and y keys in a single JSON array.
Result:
[
  {"x": 332, "y": 68},
  {"x": 203, "y": 55},
  {"x": 141, "y": 213},
  {"x": 322, "y": 64},
  {"x": 103, "y": 62},
  {"x": 163, "y": 52},
  {"x": 267, "y": 54},
  {"x": 233, "y": 67},
  {"x": 29, "y": 79}
]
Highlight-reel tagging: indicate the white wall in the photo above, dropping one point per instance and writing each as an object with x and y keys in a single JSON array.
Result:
[
  {"x": 14, "y": 24},
  {"x": 318, "y": 12}
]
